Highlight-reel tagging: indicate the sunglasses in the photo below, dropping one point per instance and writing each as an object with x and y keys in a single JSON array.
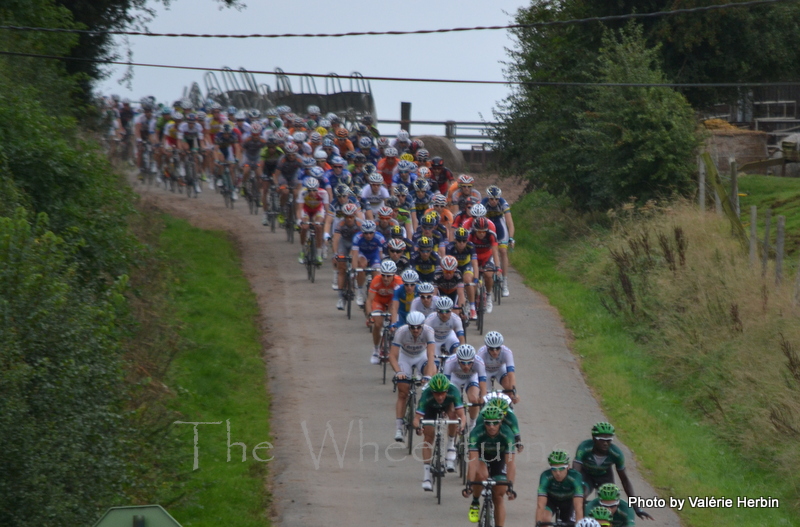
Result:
[
  {"x": 494, "y": 349},
  {"x": 398, "y": 251},
  {"x": 425, "y": 251},
  {"x": 414, "y": 327},
  {"x": 466, "y": 186},
  {"x": 492, "y": 423},
  {"x": 464, "y": 362},
  {"x": 559, "y": 469},
  {"x": 609, "y": 439},
  {"x": 426, "y": 297},
  {"x": 444, "y": 312}
]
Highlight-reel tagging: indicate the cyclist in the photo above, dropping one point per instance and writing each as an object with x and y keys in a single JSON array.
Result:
[
  {"x": 252, "y": 144},
  {"x": 227, "y": 142},
  {"x": 447, "y": 329},
  {"x": 449, "y": 282},
  {"x": 366, "y": 252},
  {"x": 439, "y": 396},
  {"x": 404, "y": 175},
  {"x": 381, "y": 293},
  {"x": 621, "y": 514},
  {"x": 311, "y": 206},
  {"x": 401, "y": 216},
  {"x": 270, "y": 156},
  {"x": 427, "y": 229},
  {"x": 499, "y": 360},
  {"x": 485, "y": 243},
  {"x": 397, "y": 251},
  {"x": 560, "y": 491},
  {"x": 458, "y": 197},
  {"x": 425, "y": 303},
  {"x": 499, "y": 212},
  {"x": 373, "y": 196},
  {"x": 403, "y": 295},
  {"x": 463, "y": 251},
  {"x": 285, "y": 174},
  {"x": 344, "y": 231},
  {"x": 338, "y": 173},
  {"x": 468, "y": 373},
  {"x": 503, "y": 401},
  {"x": 145, "y": 129},
  {"x": 442, "y": 176},
  {"x": 402, "y": 141},
  {"x": 412, "y": 347},
  {"x": 439, "y": 206},
  {"x": 595, "y": 459},
  {"x": 424, "y": 261},
  {"x": 491, "y": 455},
  {"x": 343, "y": 141},
  {"x": 405, "y": 206},
  {"x": 422, "y": 197},
  {"x": 385, "y": 221},
  {"x": 386, "y": 166}
]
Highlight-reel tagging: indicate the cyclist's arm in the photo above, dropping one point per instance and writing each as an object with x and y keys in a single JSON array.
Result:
[
  {"x": 370, "y": 299},
  {"x": 511, "y": 466},
  {"x": 496, "y": 256},
  {"x": 335, "y": 240},
  {"x": 509, "y": 224},
  {"x": 394, "y": 308},
  {"x": 577, "y": 506},
  {"x": 394, "y": 355},
  {"x": 542, "y": 515},
  {"x": 431, "y": 369}
]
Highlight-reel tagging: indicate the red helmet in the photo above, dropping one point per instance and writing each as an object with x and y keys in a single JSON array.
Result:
[
  {"x": 480, "y": 224},
  {"x": 449, "y": 263}
]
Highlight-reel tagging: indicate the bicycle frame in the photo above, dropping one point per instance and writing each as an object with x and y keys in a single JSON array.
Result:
[{"x": 440, "y": 425}]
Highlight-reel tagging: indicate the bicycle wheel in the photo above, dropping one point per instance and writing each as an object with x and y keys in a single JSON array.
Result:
[
  {"x": 348, "y": 292},
  {"x": 437, "y": 469},
  {"x": 497, "y": 288},
  {"x": 385, "y": 352},
  {"x": 481, "y": 306},
  {"x": 461, "y": 454},
  {"x": 410, "y": 404},
  {"x": 312, "y": 260},
  {"x": 487, "y": 513},
  {"x": 273, "y": 210}
]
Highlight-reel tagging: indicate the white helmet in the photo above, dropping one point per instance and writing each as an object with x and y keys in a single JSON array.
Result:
[
  {"x": 424, "y": 288},
  {"x": 478, "y": 210},
  {"x": 493, "y": 339},
  {"x": 375, "y": 178},
  {"x": 388, "y": 267},
  {"x": 410, "y": 276},
  {"x": 320, "y": 154},
  {"x": 402, "y": 136},
  {"x": 465, "y": 352},
  {"x": 415, "y": 318},
  {"x": 311, "y": 183},
  {"x": 496, "y": 395},
  {"x": 368, "y": 226},
  {"x": 587, "y": 522},
  {"x": 445, "y": 303},
  {"x": 299, "y": 137},
  {"x": 390, "y": 152},
  {"x": 313, "y": 110}
]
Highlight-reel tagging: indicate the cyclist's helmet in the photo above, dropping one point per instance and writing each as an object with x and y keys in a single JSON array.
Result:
[
  {"x": 192, "y": 117},
  {"x": 255, "y": 129},
  {"x": 422, "y": 154},
  {"x": 397, "y": 245},
  {"x": 325, "y": 123},
  {"x": 369, "y": 168},
  {"x": 478, "y": 210},
  {"x": 587, "y": 522},
  {"x": 396, "y": 231},
  {"x": 383, "y": 142},
  {"x": 558, "y": 457},
  {"x": 315, "y": 137},
  {"x": 449, "y": 263},
  {"x": 439, "y": 200},
  {"x": 410, "y": 276},
  {"x": 385, "y": 212},
  {"x": 601, "y": 514},
  {"x": 368, "y": 226},
  {"x": 481, "y": 224},
  {"x": 227, "y": 128},
  {"x": 350, "y": 209},
  {"x": 375, "y": 178},
  {"x": 320, "y": 155},
  {"x": 501, "y": 401},
  {"x": 404, "y": 166},
  {"x": 388, "y": 267},
  {"x": 166, "y": 110},
  {"x": 311, "y": 183},
  {"x": 444, "y": 304},
  {"x": 425, "y": 243},
  {"x": 403, "y": 136},
  {"x": 407, "y": 157},
  {"x": 341, "y": 133},
  {"x": 608, "y": 492},
  {"x": 299, "y": 137},
  {"x": 415, "y": 318},
  {"x": 201, "y": 116},
  {"x": 437, "y": 162},
  {"x": 424, "y": 172},
  {"x": 493, "y": 339},
  {"x": 392, "y": 202},
  {"x": 345, "y": 179},
  {"x": 603, "y": 428},
  {"x": 337, "y": 161},
  {"x": 308, "y": 162},
  {"x": 359, "y": 159},
  {"x": 365, "y": 142},
  {"x": 299, "y": 122},
  {"x": 240, "y": 116},
  {"x": 313, "y": 110},
  {"x": 316, "y": 171},
  {"x": 465, "y": 179},
  {"x": 439, "y": 382},
  {"x": 177, "y": 116},
  {"x": 255, "y": 114},
  {"x": 342, "y": 190},
  {"x": 491, "y": 413},
  {"x": 291, "y": 148},
  {"x": 461, "y": 234},
  {"x": 421, "y": 185},
  {"x": 327, "y": 141},
  {"x": 425, "y": 288},
  {"x": 428, "y": 221},
  {"x": 368, "y": 120},
  {"x": 494, "y": 191},
  {"x": 400, "y": 190},
  {"x": 390, "y": 152},
  {"x": 464, "y": 352}
]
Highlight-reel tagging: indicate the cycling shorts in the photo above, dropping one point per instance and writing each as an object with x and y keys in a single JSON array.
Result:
[
  {"x": 450, "y": 342},
  {"x": 489, "y": 266},
  {"x": 345, "y": 246},
  {"x": 593, "y": 482},
  {"x": 460, "y": 382},
  {"x": 288, "y": 182},
  {"x": 373, "y": 259},
  {"x": 317, "y": 214},
  {"x": 499, "y": 374},
  {"x": 172, "y": 142},
  {"x": 407, "y": 362},
  {"x": 565, "y": 509},
  {"x": 432, "y": 414},
  {"x": 253, "y": 161},
  {"x": 465, "y": 269}
]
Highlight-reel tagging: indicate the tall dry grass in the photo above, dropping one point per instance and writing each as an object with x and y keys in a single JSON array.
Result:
[{"x": 720, "y": 333}]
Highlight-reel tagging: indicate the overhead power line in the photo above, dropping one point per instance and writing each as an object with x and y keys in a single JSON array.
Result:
[
  {"x": 613, "y": 18},
  {"x": 413, "y": 79}
]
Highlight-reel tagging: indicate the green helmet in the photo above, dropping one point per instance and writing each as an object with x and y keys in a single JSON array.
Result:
[
  {"x": 603, "y": 428},
  {"x": 608, "y": 492},
  {"x": 500, "y": 403},
  {"x": 492, "y": 413},
  {"x": 558, "y": 457},
  {"x": 601, "y": 513},
  {"x": 439, "y": 383}
]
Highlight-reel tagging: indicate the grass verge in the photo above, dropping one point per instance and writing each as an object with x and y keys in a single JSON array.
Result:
[
  {"x": 782, "y": 196},
  {"x": 218, "y": 377},
  {"x": 677, "y": 450}
]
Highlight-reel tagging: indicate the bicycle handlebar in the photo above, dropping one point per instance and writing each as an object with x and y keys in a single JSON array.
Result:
[
  {"x": 490, "y": 483},
  {"x": 433, "y": 422}
]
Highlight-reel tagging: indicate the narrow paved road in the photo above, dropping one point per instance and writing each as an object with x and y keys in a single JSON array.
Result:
[{"x": 321, "y": 382}]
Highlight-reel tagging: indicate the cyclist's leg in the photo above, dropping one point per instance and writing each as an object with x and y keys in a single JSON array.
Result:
[
  {"x": 377, "y": 323},
  {"x": 498, "y": 471},
  {"x": 319, "y": 217},
  {"x": 473, "y": 396}
]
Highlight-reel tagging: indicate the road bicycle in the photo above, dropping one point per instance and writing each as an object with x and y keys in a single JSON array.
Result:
[
  {"x": 414, "y": 381},
  {"x": 171, "y": 169},
  {"x": 480, "y": 303},
  {"x": 272, "y": 207},
  {"x": 385, "y": 343},
  {"x": 497, "y": 290},
  {"x": 190, "y": 168},
  {"x": 288, "y": 217},
  {"x": 252, "y": 190},
  {"x": 438, "y": 471},
  {"x": 147, "y": 169},
  {"x": 226, "y": 177},
  {"x": 486, "y": 518},
  {"x": 310, "y": 249},
  {"x": 349, "y": 291}
]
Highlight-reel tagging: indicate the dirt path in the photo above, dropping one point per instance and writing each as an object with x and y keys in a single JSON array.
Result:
[{"x": 321, "y": 381}]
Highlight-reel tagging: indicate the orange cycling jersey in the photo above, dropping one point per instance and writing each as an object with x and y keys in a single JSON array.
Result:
[{"x": 383, "y": 292}]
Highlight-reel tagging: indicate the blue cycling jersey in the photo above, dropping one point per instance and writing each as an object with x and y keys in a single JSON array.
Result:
[{"x": 369, "y": 248}]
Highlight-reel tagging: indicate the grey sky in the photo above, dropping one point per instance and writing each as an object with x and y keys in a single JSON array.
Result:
[{"x": 467, "y": 55}]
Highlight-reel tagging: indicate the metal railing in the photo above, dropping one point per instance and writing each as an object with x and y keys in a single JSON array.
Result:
[{"x": 462, "y": 133}]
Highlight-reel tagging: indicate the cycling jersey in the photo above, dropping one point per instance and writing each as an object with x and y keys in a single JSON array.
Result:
[
  {"x": 463, "y": 256},
  {"x": 289, "y": 170},
  {"x": 442, "y": 180},
  {"x": 386, "y": 168},
  {"x": 314, "y": 203},
  {"x": 373, "y": 201},
  {"x": 448, "y": 286},
  {"x": 214, "y": 125},
  {"x": 491, "y": 447},
  {"x": 428, "y": 406},
  {"x": 435, "y": 234},
  {"x": 347, "y": 232},
  {"x": 594, "y": 465},
  {"x": 483, "y": 247},
  {"x": 571, "y": 487},
  {"x": 408, "y": 181},
  {"x": 324, "y": 184},
  {"x": 190, "y": 131},
  {"x": 622, "y": 517},
  {"x": 335, "y": 178},
  {"x": 404, "y": 299},
  {"x": 441, "y": 329},
  {"x": 460, "y": 198},
  {"x": 411, "y": 346},
  {"x": 510, "y": 420},
  {"x": 425, "y": 268},
  {"x": 271, "y": 159},
  {"x": 417, "y": 305},
  {"x": 252, "y": 148},
  {"x": 335, "y": 208},
  {"x": 422, "y": 203},
  {"x": 503, "y": 364},
  {"x": 453, "y": 369},
  {"x": 146, "y": 126},
  {"x": 384, "y": 293},
  {"x": 387, "y": 227},
  {"x": 370, "y": 249}
]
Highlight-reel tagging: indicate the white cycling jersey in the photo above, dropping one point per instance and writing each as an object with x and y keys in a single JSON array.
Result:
[
  {"x": 442, "y": 330},
  {"x": 411, "y": 346},
  {"x": 145, "y": 123},
  {"x": 452, "y": 369},
  {"x": 417, "y": 305},
  {"x": 195, "y": 128},
  {"x": 498, "y": 367},
  {"x": 374, "y": 201}
]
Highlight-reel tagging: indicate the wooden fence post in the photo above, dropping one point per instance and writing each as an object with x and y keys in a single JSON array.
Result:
[
  {"x": 701, "y": 184},
  {"x": 735, "y": 187},
  {"x": 753, "y": 238},
  {"x": 779, "y": 250},
  {"x": 765, "y": 256},
  {"x": 797, "y": 287},
  {"x": 717, "y": 203}
]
